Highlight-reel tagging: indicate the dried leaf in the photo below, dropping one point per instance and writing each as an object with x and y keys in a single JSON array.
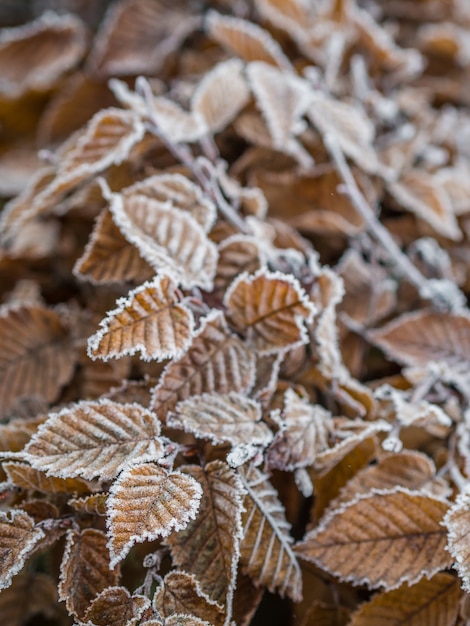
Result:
[
  {"x": 181, "y": 593},
  {"x": 116, "y": 606},
  {"x": 167, "y": 238},
  {"x": 29, "y": 478},
  {"x": 28, "y": 596},
  {"x": 150, "y": 320},
  {"x": 245, "y": 39},
  {"x": 221, "y": 95},
  {"x": 457, "y": 522},
  {"x": 434, "y": 601},
  {"x": 94, "y": 439},
  {"x": 85, "y": 570},
  {"x": 246, "y": 600},
  {"x": 272, "y": 306},
  {"x": 16, "y": 434},
  {"x": 266, "y": 551},
  {"x": 382, "y": 540},
  {"x": 36, "y": 358},
  {"x": 147, "y": 502},
  {"x": 185, "y": 620},
  {"x": 209, "y": 546},
  {"x": 237, "y": 254},
  {"x": 18, "y": 537},
  {"x": 217, "y": 361}
]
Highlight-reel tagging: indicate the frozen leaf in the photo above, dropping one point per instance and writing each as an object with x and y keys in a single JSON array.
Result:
[
  {"x": 273, "y": 307},
  {"x": 16, "y": 434},
  {"x": 382, "y": 540},
  {"x": 293, "y": 16},
  {"x": 266, "y": 550},
  {"x": 35, "y": 56},
  {"x": 116, "y": 606},
  {"x": 209, "y": 546},
  {"x": 109, "y": 257},
  {"x": 457, "y": 522},
  {"x": 36, "y": 358},
  {"x": 176, "y": 123},
  {"x": 423, "y": 195},
  {"x": 434, "y": 601},
  {"x": 231, "y": 418},
  {"x": 181, "y": 594},
  {"x": 221, "y": 95},
  {"x": 186, "y": 620},
  {"x": 85, "y": 570},
  {"x": 27, "y": 477},
  {"x": 150, "y": 320},
  {"x": 95, "y": 504},
  {"x": 217, "y": 361},
  {"x": 304, "y": 431},
  {"x": 147, "y": 502},
  {"x": 167, "y": 238},
  {"x": 237, "y": 254},
  {"x": 18, "y": 537},
  {"x": 245, "y": 39},
  {"x": 94, "y": 439}
]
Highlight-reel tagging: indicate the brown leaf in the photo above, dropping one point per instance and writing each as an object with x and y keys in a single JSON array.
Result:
[
  {"x": 167, "y": 238},
  {"x": 95, "y": 504},
  {"x": 36, "y": 358},
  {"x": 434, "y": 601},
  {"x": 216, "y": 361},
  {"x": 116, "y": 606},
  {"x": 457, "y": 522},
  {"x": 150, "y": 320},
  {"x": 18, "y": 537},
  {"x": 185, "y": 620},
  {"x": 209, "y": 546},
  {"x": 26, "y": 477},
  {"x": 181, "y": 594},
  {"x": 381, "y": 540},
  {"x": 109, "y": 257},
  {"x": 85, "y": 570},
  {"x": 16, "y": 434},
  {"x": 237, "y": 254},
  {"x": 246, "y": 600},
  {"x": 266, "y": 551},
  {"x": 272, "y": 306},
  {"x": 29, "y": 595},
  {"x": 147, "y": 502},
  {"x": 93, "y": 439}
]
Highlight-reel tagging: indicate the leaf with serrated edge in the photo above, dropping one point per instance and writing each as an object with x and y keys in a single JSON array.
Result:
[
  {"x": 18, "y": 537},
  {"x": 94, "y": 439},
  {"x": 272, "y": 306},
  {"x": 266, "y": 549},
  {"x": 221, "y": 95},
  {"x": 95, "y": 504},
  {"x": 167, "y": 238},
  {"x": 457, "y": 522},
  {"x": 245, "y": 39},
  {"x": 185, "y": 620},
  {"x": 27, "y": 477},
  {"x": 381, "y": 540},
  {"x": 36, "y": 358},
  {"x": 216, "y": 361},
  {"x": 209, "y": 546},
  {"x": 116, "y": 606},
  {"x": 150, "y": 320},
  {"x": 231, "y": 418},
  {"x": 237, "y": 254},
  {"x": 433, "y": 602},
  {"x": 85, "y": 570},
  {"x": 181, "y": 592},
  {"x": 147, "y": 502}
]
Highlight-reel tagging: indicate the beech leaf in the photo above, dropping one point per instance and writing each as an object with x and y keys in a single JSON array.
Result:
[
  {"x": 26, "y": 477},
  {"x": 18, "y": 537},
  {"x": 116, "y": 606},
  {"x": 457, "y": 522}
]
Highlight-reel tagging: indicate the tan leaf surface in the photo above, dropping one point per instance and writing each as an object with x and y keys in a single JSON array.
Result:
[
  {"x": 35, "y": 56},
  {"x": 221, "y": 95},
  {"x": 116, "y": 606},
  {"x": 95, "y": 504},
  {"x": 231, "y": 418},
  {"x": 27, "y": 477},
  {"x": 175, "y": 122},
  {"x": 36, "y": 358},
  {"x": 181, "y": 594},
  {"x": 150, "y": 320},
  {"x": 85, "y": 570},
  {"x": 167, "y": 238},
  {"x": 245, "y": 39},
  {"x": 216, "y": 361},
  {"x": 457, "y": 522},
  {"x": 18, "y": 537},
  {"x": 209, "y": 546},
  {"x": 321, "y": 614},
  {"x": 29, "y": 595},
  {"x": 266, "y": 549},
  {"x": 246, "y": 599},
  {"x": 433, "y": 602},
  {"x": 186, "y": 620},
  {"x": 381, "y": 540},
  {"x": 237, "y": 254},
  {"x": 303, "y": 433},
  {"x": 94, "y": 439},
  {"x": 147, "y": 502},
  {"x": 272, "y": 306},
  {"x": 109, "y": 257},
  {"x": 16, "y": 434}
]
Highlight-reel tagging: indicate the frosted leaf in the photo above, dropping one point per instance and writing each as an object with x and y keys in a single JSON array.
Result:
[
  {"x": 116, "y": 606},
  {"x": 27, "y": 477},
  {"x": 292, "y": 16},
  {"x": 95, "y": 504},
  {"x": 94, "y": 439},
  {"x": 237, "y": 254},
  {"x": 147, "y": 502},
  {"x": 221, "y": 95},
  {"x": 150, "y": 320},
  {"x": 457, "y": 522},
  {"x": 176, "y": 123},
  {"x": 272, "y": 307}
]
